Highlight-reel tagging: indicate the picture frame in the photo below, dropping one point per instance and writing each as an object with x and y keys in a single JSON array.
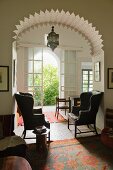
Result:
[
  {"x": 97, "y": 71},
  {"x": 4, "y": 78},
  {"x": 110, "y": 78}
]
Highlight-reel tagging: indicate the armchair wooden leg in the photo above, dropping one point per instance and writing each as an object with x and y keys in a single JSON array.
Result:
[
  {"x": 24, "y": 134},
  {"x": 75, "y": 130},
  {"x": 95, "y": 129},
  {"x": 68, "y": 123},
  {"x": 57, "y": 114},
  {"x": 88, "y": 126}
]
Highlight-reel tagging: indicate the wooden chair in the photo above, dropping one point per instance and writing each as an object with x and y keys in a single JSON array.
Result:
[{"x": 63, "y": 104}]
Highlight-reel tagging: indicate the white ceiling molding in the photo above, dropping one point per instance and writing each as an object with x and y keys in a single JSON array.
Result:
[{"x": 65, "y": 19}]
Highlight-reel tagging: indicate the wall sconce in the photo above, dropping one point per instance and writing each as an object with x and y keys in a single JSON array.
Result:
[{"x": 52, "y": 39}]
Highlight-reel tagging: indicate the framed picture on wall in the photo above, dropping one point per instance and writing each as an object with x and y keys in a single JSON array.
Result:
[
  {"x": 97, "y": 71},
  {"x": 110, "y": 78},
  {"x": 4, "y": 78}
]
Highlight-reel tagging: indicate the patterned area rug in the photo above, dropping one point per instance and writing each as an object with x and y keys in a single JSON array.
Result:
[
  {"x": 52, "y": 118},
  {"x": 87, "y": 153}
]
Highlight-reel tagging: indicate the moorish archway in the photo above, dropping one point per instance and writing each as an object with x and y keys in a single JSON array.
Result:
[{"x": 76, "y": 23}]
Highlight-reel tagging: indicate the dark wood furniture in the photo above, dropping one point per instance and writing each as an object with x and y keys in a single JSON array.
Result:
[
  {"x": 86, "y": 117},
  {"x": 32, "y": 118},
  {"x": 13, "y": 151},
  {"x": 15, "y": 163},
  {"x": 41, "y": 140},
  {"x": 81, "y": 103},
  {"x": 63, "y": 104},
  {"x": 7, "y": 122},
  {"x": 76, "y": 101},
  {"x": 107, "y": 132},
  {"x": 107, "y": 137},
  {"x": 109, "y": 118}
]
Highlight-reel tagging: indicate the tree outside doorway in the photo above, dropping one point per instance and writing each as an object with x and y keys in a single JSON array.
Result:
[{"x": 50, "y": 87}]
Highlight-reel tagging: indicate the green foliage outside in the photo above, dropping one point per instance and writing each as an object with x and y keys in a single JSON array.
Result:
[{"x": 51, "y": 84}]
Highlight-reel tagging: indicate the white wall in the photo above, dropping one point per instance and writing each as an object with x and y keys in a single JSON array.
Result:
[
  {"x": 11, "y": 12},
  {"x": 20, "y": 68},
  {"x": 99, "y": 85},
  {"x": 81, "y": 57}
]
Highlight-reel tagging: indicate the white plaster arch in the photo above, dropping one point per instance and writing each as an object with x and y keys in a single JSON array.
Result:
[{"x": 66, "y": 19}]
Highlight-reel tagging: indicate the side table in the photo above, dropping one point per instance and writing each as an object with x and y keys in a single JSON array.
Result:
[
  {"x": 41, "y": 140},
  {"x": 106, "y": 138}
]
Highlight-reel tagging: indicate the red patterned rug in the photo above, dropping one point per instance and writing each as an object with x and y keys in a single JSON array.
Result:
[
  {"x": 52, "y": 118},
  {"x": 87, "y": 153}
]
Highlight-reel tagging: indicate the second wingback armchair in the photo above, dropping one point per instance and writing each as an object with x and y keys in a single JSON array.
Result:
[{"x": 88, "y": 116}]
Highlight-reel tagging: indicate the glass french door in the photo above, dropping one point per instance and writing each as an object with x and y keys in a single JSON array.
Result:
[
  {"x": 67, "y": 74},
  {"x": 35, "y": 74},
  {"x": 35, "y": 77}
]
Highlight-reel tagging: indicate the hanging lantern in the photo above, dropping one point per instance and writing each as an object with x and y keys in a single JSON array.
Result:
[{"x": 52, "y": 39}]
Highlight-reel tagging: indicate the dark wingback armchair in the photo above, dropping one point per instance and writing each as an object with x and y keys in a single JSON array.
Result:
[
  {"x": 88, "y": 116},
  {"x": 35, "y": 111},
  {"x": 32, "y": 118}
]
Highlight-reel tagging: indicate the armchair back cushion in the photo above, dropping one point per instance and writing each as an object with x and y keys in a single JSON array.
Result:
[
  {"x": 84, "y": 103},
  {"x": 89, "y": 116},
  {"x": 25, "y": 104}
]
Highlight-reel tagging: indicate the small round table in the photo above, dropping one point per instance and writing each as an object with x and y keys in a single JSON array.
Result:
[{"x": 107, "y": 138}]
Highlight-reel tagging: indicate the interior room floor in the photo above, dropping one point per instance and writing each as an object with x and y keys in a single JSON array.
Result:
[{"x": 58, "y": 131}]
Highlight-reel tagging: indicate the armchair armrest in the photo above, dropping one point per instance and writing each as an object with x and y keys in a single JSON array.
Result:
[
  {"x": 38, "y": 120},
  {"x": 37, "y": 111},
  {"x": 38, "y": 116}
]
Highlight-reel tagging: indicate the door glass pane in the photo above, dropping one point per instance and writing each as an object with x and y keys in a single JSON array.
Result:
[
  {"x": 30, "y": 89},
  {"x": 30, "y": 66},
  {"x": 30, "y": 79},
  {"x": 37, "y": 80},
  {"x": 37, "y": 96},
  {"x": 85, "y": 77},
  {"x": 37, "y": 53},
  {"x": 30, "y": 53},
  {"x": 87, "y": 80},
  {"x": 37, "y": 67}
]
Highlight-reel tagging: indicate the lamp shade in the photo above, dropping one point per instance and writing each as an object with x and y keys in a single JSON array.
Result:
[{"x": 52, "y": 39}]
